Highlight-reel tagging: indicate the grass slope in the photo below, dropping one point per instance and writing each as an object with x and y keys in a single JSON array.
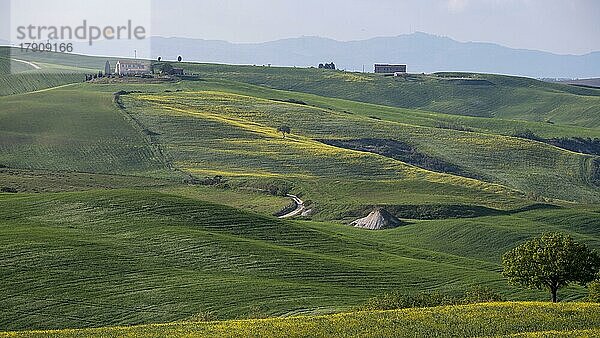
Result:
[
  {"x": 71, "y": 130},
  {"x": 164, "y": 252},
  {"x": 29, "y": 82},
  {"x": 18, "y": 77},
  {"x": 122, "y": 257},
  {"x": 467, "y": 94},
  {"x": 64, "y": 62},
  {"x": 479, "y": 320},
  {"x": 55, "y": 69},
  {"x": 482, "y": 95},
  {"x": 239, "y": 133}
]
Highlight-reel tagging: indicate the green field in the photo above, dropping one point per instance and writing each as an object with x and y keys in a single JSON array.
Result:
[
  {"x": 68, "y": 129},
  {"x": 131, "y": 257},
  {"x": 16, "y": 77},
  {"x": 156, "y": 205},
  {"x": 482, "y": 320},
  {"x": 451, "y": 93},
  {"x": 246, "y": 137}
]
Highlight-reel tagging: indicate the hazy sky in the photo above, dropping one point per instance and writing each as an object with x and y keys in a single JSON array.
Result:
[{"x": 560, "y": 26}]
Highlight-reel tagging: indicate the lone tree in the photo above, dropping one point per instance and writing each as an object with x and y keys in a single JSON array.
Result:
[
  {"x": 550, "y": 262},
  {"x": 179, "y": 58},
  {"x": 284, "y": 130}
]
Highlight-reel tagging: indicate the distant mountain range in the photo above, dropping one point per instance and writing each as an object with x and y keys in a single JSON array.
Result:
[{"x": 421, "y": 52}]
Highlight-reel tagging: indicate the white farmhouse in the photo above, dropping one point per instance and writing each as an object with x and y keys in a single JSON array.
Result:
[{"x": 131, "y": 67}]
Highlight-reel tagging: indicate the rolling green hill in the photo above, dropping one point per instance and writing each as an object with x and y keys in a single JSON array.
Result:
[
  {"x": 481, "y": 95},
  {"x": 246, "y": 141},
  {"x": 67, "y": 129},
  {"x": 49, "y": 62},
  {"x": 156, "y": 205},
  {"x": 129, "y": 257},
  {"x": 29, "y": 82},
  {"x": 18, "y": 77},
  {"x": 495, "y": 319},
  {"x": 54, "y": 69},
  {"x": 478, "y": 95}
]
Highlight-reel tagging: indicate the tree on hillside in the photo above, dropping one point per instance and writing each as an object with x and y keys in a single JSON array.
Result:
[
  {"x": 179, "y": 58},
  {"x": 159, "y": 59},
  {"x": 164, "y": 68},
  {"x": 284, "y": 130},
  {"x": 550, "y": 262}
]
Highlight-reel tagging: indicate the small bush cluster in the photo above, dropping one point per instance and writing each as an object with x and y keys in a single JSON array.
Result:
[
  {"x": 205, "y": 316},
  {"x": 286, "y": 210},
  {"x": 327, "y": 65},
  {"x": 397, "y": 300},
  {"x": 400, "y": 151},
  {"x": 216, "y": 180},
  {"x": 8, "y": 190},
  {"x": 481, "y": 294},
  {"x": 276, "y": 190},
  {"x": 577, "y": 144},
  {"x": 593, "y": 292},
  {"x": 291, "y": 101}
]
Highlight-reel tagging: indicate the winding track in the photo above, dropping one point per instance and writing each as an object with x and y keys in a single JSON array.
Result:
[
  {"x": 28, "y": 63},
  {"x": 299, "y": 207}
]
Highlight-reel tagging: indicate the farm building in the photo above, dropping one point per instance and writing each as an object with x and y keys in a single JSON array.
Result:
[
  {"x": 389, "y": 69},
  {"x": 131, "y": 67}
]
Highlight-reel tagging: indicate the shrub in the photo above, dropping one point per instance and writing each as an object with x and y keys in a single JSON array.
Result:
[
  {"x": 481, "y": 294},
  {"x": 593, "y": 292},
  {"x": 216, "y": 180},
  {"x": 278, "y": 189},
  {"x": 395, "y": 300},
  {"x": 205, "y": 316},
  {"x": 284, "y": 130},
  {"x": 8, "y": 189},
  {"x": 526, "y": 134},
  {"x": 291, "y": 101}
]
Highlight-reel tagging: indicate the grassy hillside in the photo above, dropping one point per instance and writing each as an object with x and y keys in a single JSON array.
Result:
[
  {"x": 28, "y": 82},
  {"x": 138, "y": 257},
  {"x": 18, "y": 77},
  {"x": 130, "y": 257},
  {"x": 55, "y": 69},
  {"x": 33, "y": 180},
  {"x": 71, "y": 130},
  {"x": 536, "y": 101},
  {"x": 480, "y": 95},
  {"x": 108, "y": 228},
  {"x": 403, "y": 115},
  {"x": 495, "y": 319},
  {"x": 66, "y": 62},
  {"x": 244, "y": 142}
]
